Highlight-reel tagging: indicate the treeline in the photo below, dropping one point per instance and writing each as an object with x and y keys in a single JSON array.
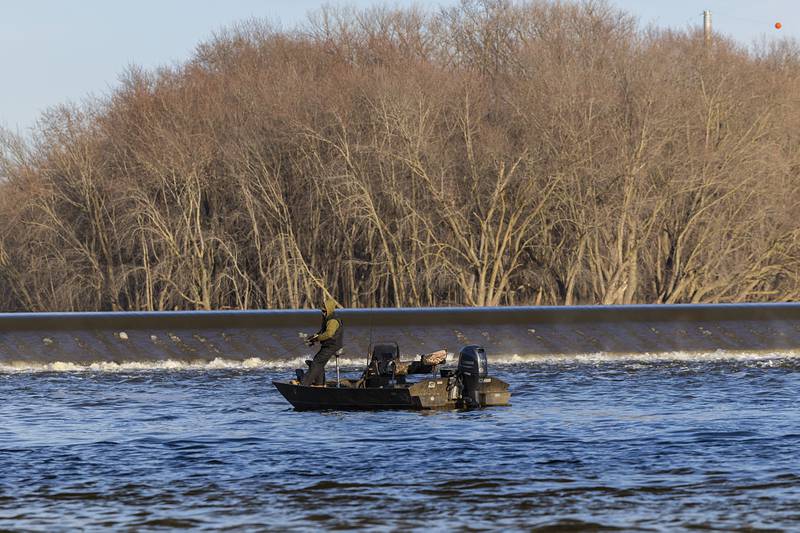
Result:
[{"x": 489, "y": 154}]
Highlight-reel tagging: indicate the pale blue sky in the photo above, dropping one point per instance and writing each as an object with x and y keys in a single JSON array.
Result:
[{"x": 53, "y": 51}]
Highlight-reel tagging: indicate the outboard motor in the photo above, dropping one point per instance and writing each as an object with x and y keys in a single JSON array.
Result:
[
  {"x": 383, "y": 365},
  {"x": 472, "y": 369},
  {"x": 383, "y": 355}
]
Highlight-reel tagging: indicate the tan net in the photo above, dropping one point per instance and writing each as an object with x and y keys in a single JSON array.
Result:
[{"x": 435, "y": 358}]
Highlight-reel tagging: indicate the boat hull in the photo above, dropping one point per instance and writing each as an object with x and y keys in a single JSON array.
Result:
[
  {"x": 426, "y": 394},
  {"x": 305, "y": 398}
]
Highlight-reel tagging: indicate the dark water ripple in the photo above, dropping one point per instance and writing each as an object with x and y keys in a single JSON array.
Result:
[{"x": 663, "y": 446}]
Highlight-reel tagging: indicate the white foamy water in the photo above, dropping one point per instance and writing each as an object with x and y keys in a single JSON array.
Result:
[
  {"x": 255, "y": 363},
  {"x": 603, "y": 357},
  {"x": 169, "y": 365}
]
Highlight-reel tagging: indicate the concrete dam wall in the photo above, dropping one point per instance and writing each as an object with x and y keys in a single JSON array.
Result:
[{"x": 508, "y": 332}]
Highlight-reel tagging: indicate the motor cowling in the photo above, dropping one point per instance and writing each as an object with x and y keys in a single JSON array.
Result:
[
  {"x": 472, "y": 369},
  {"x": 385, "y": 357},
  {"x": 383, "y": 363}
]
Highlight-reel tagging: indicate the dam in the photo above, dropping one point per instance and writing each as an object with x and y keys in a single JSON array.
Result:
[{"x": 508, "y": 333}]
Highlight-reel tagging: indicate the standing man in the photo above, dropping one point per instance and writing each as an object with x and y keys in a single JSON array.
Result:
[{"x": 330, "y": 338}]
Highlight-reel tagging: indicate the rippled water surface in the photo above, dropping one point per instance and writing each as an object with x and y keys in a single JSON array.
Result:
[{"x": 661, "y": 445}]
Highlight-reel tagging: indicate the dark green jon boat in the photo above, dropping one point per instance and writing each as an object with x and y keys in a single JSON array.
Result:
[{"x": 383, "y": 384}]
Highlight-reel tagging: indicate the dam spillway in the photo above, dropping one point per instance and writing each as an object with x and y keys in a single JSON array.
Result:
[{"x": 506, "y": 332}]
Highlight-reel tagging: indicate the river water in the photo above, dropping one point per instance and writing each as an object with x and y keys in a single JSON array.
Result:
[{"x": 652, "y": 443}]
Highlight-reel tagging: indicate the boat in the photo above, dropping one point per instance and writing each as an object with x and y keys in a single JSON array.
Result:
[{"x": 384, "y": 384}]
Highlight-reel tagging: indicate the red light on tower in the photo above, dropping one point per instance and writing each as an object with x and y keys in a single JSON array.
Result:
[{"x": 778, "y": 25}]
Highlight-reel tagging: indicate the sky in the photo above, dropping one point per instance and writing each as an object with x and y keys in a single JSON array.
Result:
[{"x": 56, "y": 51}]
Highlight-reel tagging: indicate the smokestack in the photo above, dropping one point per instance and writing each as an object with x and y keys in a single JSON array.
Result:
[{"x": 707, "y": 26}]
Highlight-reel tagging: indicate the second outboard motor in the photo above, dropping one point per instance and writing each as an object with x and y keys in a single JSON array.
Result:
[
  {"x": 472, "y": 368},
  {"x": 382, "y": 367}
]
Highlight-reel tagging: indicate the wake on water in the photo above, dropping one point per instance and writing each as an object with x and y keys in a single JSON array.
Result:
[{"x": 349, "y": 363}]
